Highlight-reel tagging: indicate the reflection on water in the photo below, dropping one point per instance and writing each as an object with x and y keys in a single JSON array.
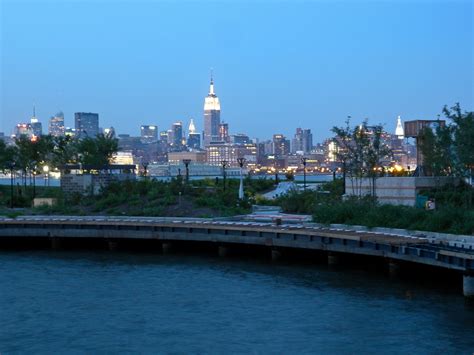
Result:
[{"x": 99, "y": 301}]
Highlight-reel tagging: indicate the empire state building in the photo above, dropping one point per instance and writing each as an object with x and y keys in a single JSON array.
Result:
[{"x": 212, "y": 116}]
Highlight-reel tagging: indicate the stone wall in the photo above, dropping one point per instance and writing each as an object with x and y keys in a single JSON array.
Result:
[
  {"x": 395, "y": 190},
  {"x": 89, "y": 183}
]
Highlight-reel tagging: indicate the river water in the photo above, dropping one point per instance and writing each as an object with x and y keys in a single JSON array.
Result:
[{"x": 95, "y": 302}]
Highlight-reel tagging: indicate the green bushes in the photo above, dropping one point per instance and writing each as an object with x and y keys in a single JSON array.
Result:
[{"x": 367, "y": 213}]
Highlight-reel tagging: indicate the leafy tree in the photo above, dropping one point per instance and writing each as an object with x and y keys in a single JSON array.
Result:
[
  {"x": 463, "y": 131},
  {"x": 436, "y": 147},
  {"x": 8, "y": 155},
  {"x": 361, "y": 150},
  {"x": 97, "y": 151}
]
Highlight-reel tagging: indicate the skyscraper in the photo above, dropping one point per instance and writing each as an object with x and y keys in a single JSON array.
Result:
[
  {"x": 149, "y": 133},
  {"x": 194, "y": 138},
  {"x": 212, "y": 116},
  {"x": 281, "y": 145},
  {"x": 177, "y": 129},
  {"x": 224, "y": 132},
  {"x": 56, "y": 125},
  {"x": 36, "y": 125},
  {"x": 86, "y": 124},
  {"x": 303, "y": 141}
]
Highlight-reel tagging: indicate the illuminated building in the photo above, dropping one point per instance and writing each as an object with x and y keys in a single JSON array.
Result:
[
  {"x": 56, "y": 125},
  {"x": 23, "y": 129},
  {"x": 86, "y": 124},
  {"x": 281, "y": 145},
  {"x": 212, "y": 116},
  {"x": 224, "y": 132},
  {"x": 149, "y": 133},
  {"x": 303, "y": 141}
]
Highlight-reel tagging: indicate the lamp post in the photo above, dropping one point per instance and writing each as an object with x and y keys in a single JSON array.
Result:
[
  {"x": 303, "y": 161},
  {"x": 34, "y": 181},
  {"x": 186, "y": 163},
  {"x": 46, "y": 174},
  {"x": 224, "y": 165},
  {"x": 12, "y": 166},
  {"x": 145, "y": 170},
  {"x": 241, "y": 162}
]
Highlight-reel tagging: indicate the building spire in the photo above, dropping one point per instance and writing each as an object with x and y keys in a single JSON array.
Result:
[
  {"x": 211, "y": 86},
  {"x": 192, "y": 127},
  {"x": 399, "y": 130}
]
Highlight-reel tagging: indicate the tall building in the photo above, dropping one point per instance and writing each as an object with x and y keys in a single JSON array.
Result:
[
  {"x": 164, "y": 139},
  {"x": 240, "y": 138},
  {"x": 224, "y": 132},
  {"x": 177, "y": 135},
  {"x": 149, "y": 133},
  {"x": 399, "y": 131},
  {"x": 194, "y": 138},
  {"x": 56, "y": 125},
  {"x": 281, "y": 145},
  {"x": 36, "y": 126},
  {"x": 212, "y": 116},
  {"x": 86, "y": 124},
  {"x": 23, "y": 129},
  {"x": 303, "y": 141}
]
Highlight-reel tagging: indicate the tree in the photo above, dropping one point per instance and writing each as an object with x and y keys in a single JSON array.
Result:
[
  {"x": 8, "y": 156},
  {"x": 463, "y": 131},
  {"x": 437, "y": 149},
  {"x": 97, "y": 151},
  {"x": 361, "y": 150}
]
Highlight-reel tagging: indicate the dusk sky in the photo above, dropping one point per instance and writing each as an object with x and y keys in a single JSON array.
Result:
[{"x": 277, "y": 65}]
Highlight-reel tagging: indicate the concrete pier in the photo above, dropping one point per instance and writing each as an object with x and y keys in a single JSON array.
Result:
[
  {"x": 166, "y": 247},
  {"x": 222, "y": 251},
  {"x": 276, "y": 255},
  {"x": 394, "y": 249},
  {"x": 468, "y": 286}
]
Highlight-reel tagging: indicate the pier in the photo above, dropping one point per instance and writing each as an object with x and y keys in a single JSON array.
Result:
[{"x": 276, "y": 238}]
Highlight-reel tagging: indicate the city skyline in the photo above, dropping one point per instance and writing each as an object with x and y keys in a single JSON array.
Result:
[{"x": 386, "y": 60}]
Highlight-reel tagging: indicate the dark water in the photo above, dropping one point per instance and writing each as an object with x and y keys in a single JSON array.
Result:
[{"x": 99, "y": 302}]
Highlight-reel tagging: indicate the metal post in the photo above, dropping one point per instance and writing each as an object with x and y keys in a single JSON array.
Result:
[
  {"x": 34, "y": 182},
  {"x": 145, "y": 170},
  {"x": 186, "y": 164},
  {"x": 224, "y": 164},
  {"x": 241, "y": 162},
  {"x": 12, "y": 166}
]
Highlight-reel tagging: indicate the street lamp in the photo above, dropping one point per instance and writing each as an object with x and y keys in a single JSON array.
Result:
[
  {"x": 241, "y": 162},
  {"x": 303, "y": 161},
  {"x": 224, "y": 165},
  {"x": 186, "y": 163},
  {"x": 46, "y": 174},
  {"x": 145, "y": 170},
  {"x": 34, "y": 180}
]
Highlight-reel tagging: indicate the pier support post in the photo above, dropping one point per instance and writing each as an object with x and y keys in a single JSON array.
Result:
[
  {"x": 332, "y": 259},
  {"x": 166, "y": 247},
  {"x": 222, "y": 251},
  {"x": 393, "y": 268},
  {"x": 113, "y": 245},
  {"x": 276, "y": 255},
  {"x": 55, "y": 243},
  {"x": 468, "y": 285}
]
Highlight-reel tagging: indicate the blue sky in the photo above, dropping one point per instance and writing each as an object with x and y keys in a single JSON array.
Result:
[{"x": 277, "y": 65}]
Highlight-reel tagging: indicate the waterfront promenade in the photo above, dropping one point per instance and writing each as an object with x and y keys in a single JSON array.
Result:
[{"x": 55, "y": 231}]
